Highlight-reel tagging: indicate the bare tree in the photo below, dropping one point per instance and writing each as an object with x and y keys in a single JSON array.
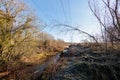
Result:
[
  {"x": 108, "y": 15},
  {"x": 77, "y": 29},
  {"x": 17, "y": 37}
]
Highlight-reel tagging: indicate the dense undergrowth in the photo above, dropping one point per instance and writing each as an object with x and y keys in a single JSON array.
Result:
[
  {"x": 86, "y": 65},
  {"x": 23, "y": 44}
]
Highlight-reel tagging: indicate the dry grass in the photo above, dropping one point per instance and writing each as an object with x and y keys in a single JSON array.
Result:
[
  {"x": 53, "y": 68},
  {"x": 24, "y": 68}
]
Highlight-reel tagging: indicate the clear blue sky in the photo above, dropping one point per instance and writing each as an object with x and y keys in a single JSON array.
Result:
[{"x": 72, "y": 12}]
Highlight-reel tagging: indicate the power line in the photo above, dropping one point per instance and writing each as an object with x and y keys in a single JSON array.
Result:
[
  {"x": 62, "y": 5},
  {"x": 42, "y": 11},
  {"x": 66, "y": 10},
  {"x": 69, "y": 9}
]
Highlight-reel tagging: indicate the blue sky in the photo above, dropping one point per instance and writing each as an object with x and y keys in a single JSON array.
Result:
[{"x": 71, "y": 12}]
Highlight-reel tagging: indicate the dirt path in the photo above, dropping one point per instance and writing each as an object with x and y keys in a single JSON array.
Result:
[{"x": 40, "y": 68}]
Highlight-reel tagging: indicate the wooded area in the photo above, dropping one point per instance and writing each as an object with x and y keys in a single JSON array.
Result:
[
  {"x": 24, "y": 44},
  {"x": 20, "y": 38}
]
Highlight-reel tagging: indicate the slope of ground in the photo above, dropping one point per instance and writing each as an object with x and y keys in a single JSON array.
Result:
[{"x": 79, "y": 63}]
